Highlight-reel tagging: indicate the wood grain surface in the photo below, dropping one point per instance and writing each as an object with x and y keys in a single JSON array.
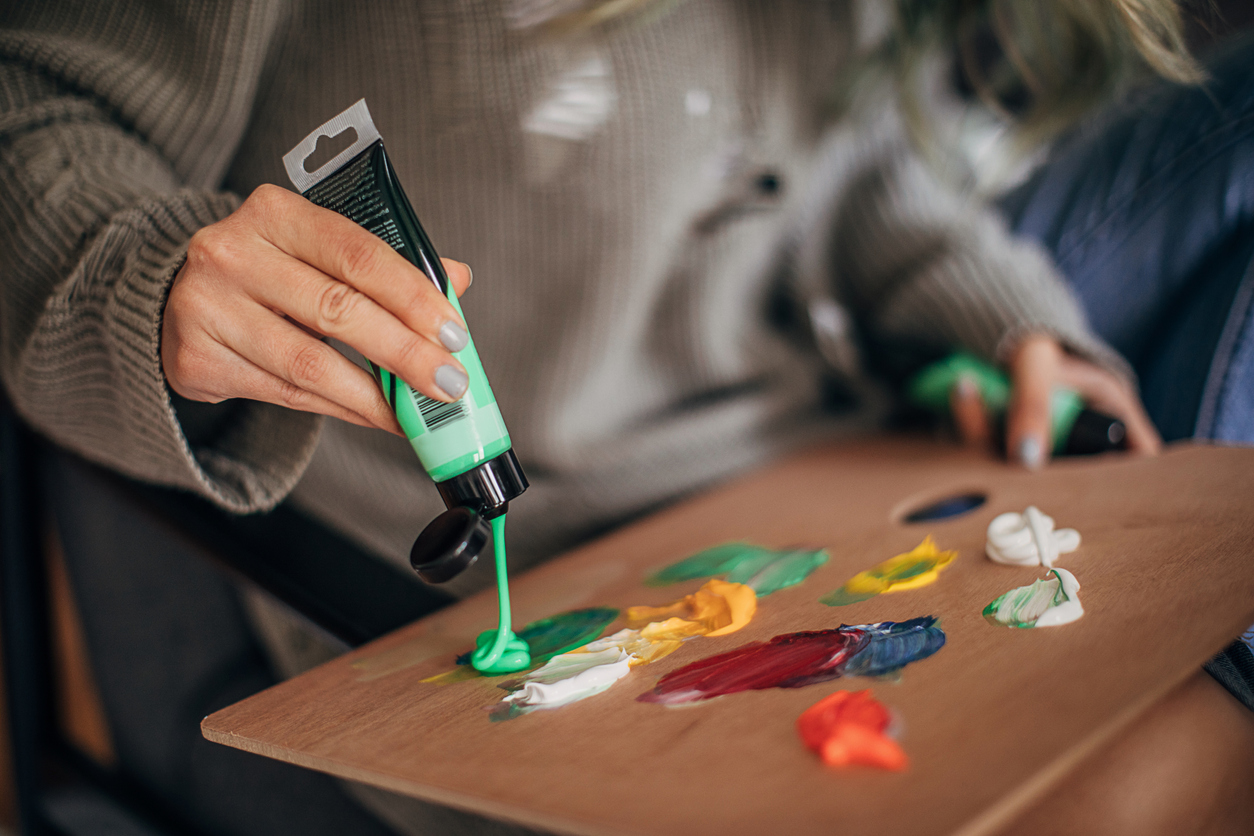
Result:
[{"x": 989, "y": 722}]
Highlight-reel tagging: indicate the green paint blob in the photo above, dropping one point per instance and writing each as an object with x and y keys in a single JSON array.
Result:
[
  {"x": 715, "y": 560},
  {"x": 566, "y": 631},
  {"x": 788, "y": 570},
  {"x": 499, "y": 650},
  {"x": 747, "y": 567},
  {"x": 766, "y": 570},
  {"x": 843, "y": 597}
]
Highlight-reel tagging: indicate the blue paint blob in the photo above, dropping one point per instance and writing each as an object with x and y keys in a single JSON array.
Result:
[
  {"x": 895, "y": 645},
  {"x": 947, "y": 508}
]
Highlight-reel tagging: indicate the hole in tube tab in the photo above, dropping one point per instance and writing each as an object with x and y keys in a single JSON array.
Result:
[
  {"x": 328, "y": 147},
  {"x": 950, "y": 506}
]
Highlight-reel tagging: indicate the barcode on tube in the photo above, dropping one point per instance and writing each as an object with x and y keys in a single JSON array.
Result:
[{"x": 436, "y": 413}]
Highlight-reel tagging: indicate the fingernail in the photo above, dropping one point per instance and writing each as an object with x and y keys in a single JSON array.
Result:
[
  {"x": 453, "y": 336},
  {"x": 1030, "y": 453},
  {"x": 471, "y": 271},
  {"x": 452, "y": 380},
  {"x": 965, "y": 387}
]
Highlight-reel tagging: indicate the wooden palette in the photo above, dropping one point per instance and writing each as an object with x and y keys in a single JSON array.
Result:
[{"x": 989, "y": 722}]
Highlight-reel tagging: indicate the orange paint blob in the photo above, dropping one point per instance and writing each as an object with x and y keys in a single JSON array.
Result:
[
  {"x": 847, "y": 728},
  {"x": 716, "y": 609}
]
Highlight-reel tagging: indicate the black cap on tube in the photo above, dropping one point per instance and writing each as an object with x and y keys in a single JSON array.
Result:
[
  {"x": 449, "y": 545},
  {"x": 454, "y": 540},
  {"x": 487, "y": 488}
]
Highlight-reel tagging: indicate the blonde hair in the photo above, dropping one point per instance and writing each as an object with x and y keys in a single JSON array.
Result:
[
  {"x": 1057, "y": 58},
  {"x": 1060, "y": 57}
]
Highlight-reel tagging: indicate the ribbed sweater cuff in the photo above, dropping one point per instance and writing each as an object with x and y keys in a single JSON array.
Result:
[
  {"x": 256, "y": 459},
  {"x": 116, "y": 407}
]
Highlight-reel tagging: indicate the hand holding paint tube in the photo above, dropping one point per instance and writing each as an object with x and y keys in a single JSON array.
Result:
[
  {"x": 259, "y": 288},
  {"x": 973, "y": 391},
  {"x": 348, "y": 259}
]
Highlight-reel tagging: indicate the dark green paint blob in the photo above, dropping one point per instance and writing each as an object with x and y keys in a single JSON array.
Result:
[
  {"x": 566, "y": 631},
  {"x": 766, "y": 570}
]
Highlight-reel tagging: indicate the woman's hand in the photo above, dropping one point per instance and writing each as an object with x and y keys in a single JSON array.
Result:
[
  {"x": 1037, "y": 366},
  {"x": 259, "y": 290}
]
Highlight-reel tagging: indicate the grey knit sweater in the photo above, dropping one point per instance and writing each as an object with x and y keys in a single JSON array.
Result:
[{"x": 630, "y": 201}]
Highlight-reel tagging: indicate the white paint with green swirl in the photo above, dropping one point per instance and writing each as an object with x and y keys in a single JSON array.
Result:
[{"x": 1048, "y": 602}]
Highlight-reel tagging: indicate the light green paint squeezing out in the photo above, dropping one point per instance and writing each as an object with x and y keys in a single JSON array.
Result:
[{"x": 499, "y": 650}]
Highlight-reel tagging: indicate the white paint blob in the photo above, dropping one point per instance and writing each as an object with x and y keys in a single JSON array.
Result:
[
  {"x": 1049, "y": 602},
  {"x": 571, "y": 677},
  {"x": 1028, "y": 539}
]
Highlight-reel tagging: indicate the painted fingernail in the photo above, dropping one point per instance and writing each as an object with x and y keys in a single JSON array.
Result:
[
  {"x": 453, "y": 336},
  {"x": 452, "y": 380},
  {"x": 1031, "y": 455},
  {"x": 471, "y": 271}
]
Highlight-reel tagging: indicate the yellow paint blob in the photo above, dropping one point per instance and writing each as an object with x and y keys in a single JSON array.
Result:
[
  {"x": 460, "y": 673},
  {"x": 918, "y": 567},
  {"x": 716, "y": 609}
]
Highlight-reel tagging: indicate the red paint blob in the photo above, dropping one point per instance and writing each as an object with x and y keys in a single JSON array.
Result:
[
  {"x": 847, "y": 729},
  {"x": 788, "y": 661}
]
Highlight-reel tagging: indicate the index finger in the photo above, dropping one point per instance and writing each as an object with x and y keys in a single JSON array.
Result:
[
  {"x": 1034, "y": 370},
  {"x": 340, "y": 248}
]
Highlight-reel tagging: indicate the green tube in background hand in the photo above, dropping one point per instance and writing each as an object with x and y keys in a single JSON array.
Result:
[{"x": 931, "y": 387}]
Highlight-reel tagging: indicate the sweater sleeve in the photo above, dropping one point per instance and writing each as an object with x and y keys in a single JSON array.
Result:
[
  {"x": 116, "y": 126},
  {"x": 920, "y": 263}
]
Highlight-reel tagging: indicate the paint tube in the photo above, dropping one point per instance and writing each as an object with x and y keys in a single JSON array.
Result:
[
  {"x": 1075, "y": 429},
  {"x": 464, "y": 446}
]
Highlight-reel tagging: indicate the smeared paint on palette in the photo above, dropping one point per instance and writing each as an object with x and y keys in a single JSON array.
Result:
[
  {"x": 565, "y": 679},
  {"x": 550, "y": 636},
  {"x": 718, "y": 608},
  {"x": 763, "y": 570},
  {"x": 851, "y": 728},
  {"x": 793, "y": 660},
  {"x": 918, "y": 567},
  {"x": 1049, "y": 602}
]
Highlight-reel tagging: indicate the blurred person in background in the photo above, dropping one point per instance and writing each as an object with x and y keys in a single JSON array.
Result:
[{"x": 703, "y": 232}]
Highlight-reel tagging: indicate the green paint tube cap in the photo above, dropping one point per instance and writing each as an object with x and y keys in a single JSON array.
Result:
[
  {"x": 449, "y": 544},
  {"x": 488, "y": 487}
]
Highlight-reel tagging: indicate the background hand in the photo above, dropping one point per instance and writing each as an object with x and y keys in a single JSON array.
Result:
[
  {"x": 1037, "y": 366},
  {"x": 259, "y": 290}
]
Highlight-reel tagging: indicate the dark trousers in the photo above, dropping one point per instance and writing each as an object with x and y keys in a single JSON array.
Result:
[{"x": 169, "y": 643}]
